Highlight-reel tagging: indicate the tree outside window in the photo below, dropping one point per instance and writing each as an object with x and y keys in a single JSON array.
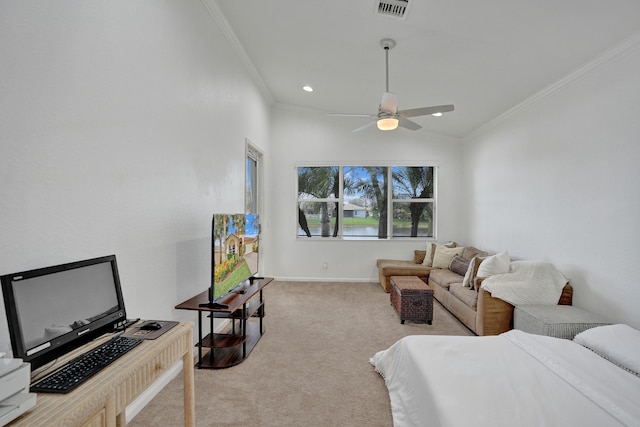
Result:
[{"x": 352, "y": 202}]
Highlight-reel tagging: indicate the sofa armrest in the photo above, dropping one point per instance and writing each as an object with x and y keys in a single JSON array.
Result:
[
  {"x": 494, "y": 316},
  {"x": 567, "y": 295}
]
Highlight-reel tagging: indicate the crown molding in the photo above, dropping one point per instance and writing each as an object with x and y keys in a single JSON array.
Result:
[
  {"x": 221, "y": 22},
  {"x": 610, "y": 56}
]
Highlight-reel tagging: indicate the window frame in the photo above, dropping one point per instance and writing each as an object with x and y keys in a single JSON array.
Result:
[{"x": 340, "y": 199}]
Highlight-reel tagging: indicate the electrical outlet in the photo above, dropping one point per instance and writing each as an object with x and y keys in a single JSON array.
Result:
[{"x": 325, "y": 265}]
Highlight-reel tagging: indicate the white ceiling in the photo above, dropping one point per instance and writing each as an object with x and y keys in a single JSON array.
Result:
[{"x": 484, "y": 57}]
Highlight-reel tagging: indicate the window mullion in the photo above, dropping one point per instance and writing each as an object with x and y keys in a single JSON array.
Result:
[
  {"x": 389, "y": 202},
  {"x": 340, "y": 197}
]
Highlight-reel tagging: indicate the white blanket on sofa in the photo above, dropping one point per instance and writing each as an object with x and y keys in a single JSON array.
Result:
[{"x": 528, "y": 282}]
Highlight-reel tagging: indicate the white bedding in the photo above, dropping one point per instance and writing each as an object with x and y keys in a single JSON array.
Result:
[{"x": 514, "y": 379}]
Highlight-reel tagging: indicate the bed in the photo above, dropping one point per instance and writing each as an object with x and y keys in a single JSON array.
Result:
[{"x": 515, "y": 379}]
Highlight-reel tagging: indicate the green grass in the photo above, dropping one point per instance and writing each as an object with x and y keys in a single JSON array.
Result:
[
  {"x": 360, "y": 222},
  {"x": 237, "y": 276}
]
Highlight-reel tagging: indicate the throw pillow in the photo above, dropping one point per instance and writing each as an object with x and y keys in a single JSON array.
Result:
[
  {"x": 470, "y": 252},
  {"x": 495, "y": 264},
  {"x": 471, "y": 272},
  {"x": 443, "y": 255},
  {"x": 459, "y": 265},
  {"x": 431, "y": 248},
  {"x": 428, "y": 258}
]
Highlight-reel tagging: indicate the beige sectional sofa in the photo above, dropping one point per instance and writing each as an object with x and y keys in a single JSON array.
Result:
[{"x": 472, "y": 305}]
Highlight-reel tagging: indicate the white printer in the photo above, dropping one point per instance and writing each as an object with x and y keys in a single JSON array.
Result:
[{"x": 15, "y": 399}]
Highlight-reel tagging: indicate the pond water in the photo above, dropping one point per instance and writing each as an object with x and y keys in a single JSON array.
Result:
[{"x": 368, "y": 232}]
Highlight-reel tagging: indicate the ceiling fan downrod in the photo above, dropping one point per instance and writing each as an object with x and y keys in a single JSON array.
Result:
[{"x": 386, "y": 45}]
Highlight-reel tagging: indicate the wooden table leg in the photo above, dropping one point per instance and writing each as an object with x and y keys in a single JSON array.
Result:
[{"x": 188, "y": 382}]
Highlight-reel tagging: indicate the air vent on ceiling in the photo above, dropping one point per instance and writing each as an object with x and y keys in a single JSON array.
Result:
[{"x": 395, "y": 8}]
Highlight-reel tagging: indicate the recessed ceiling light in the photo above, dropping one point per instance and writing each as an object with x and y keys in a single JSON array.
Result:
[
  {"x": 307, "y": 88},
  {"x": 437, "y": 114}
]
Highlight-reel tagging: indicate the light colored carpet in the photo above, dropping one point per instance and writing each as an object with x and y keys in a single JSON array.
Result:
[{"x": 311, "y": 367}]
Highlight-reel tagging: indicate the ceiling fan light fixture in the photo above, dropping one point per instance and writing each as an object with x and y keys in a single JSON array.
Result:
[
  {"x": 307, "y": 88},
  {"x": 438, "y": 114},
  {"x": 387, "y": 123}
]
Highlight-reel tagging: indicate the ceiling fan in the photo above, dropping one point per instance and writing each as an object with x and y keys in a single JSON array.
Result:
[{"x": 388, "y": 116}]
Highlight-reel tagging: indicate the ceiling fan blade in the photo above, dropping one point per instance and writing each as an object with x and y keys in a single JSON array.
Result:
[
  {"x": 425, "y": 111},
  {"x": 351, "y": 115},
  {"x": 389, "y": 103},
  {"x": 388, "y": 109},
  {"x": 365, "y": 126},
  {"x": 408, "y": 124}
]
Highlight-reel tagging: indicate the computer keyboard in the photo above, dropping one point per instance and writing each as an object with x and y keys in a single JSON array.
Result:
[{"x": 85, "y": 366}]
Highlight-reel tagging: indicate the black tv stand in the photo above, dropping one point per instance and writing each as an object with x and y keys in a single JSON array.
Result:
[
  {"x": 213, "y": 305},
  {"x": 244, "y": 316},
  {"x": 216, "y": 304}
]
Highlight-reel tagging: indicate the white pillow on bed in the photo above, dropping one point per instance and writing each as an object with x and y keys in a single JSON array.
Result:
[{"x": 618, "y": 343}]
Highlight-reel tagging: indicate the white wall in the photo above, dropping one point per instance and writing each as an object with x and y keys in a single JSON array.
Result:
[
  {"x": 557, "y": 180},
  {"x": 122, "y": 128},
  {"x": 300, "y": 136}
]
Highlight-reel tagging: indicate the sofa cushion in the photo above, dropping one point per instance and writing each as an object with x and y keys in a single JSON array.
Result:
[
  {"x": 459, "y": 265},
  {"x": 470, "y": 252},
  {"x": 466, "y": 295},
  {"x": 403, "y": 268},
  {"x": 444, "y": 277},
  {"x": 419, "y": 256},
  {"x": 443, "y": 255}
]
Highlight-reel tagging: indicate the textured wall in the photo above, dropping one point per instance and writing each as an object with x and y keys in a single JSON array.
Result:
[
  {"x": 123, "y": 128},
  {"x": 557, "y": 181},
  {"x": 302, "y": 136}
]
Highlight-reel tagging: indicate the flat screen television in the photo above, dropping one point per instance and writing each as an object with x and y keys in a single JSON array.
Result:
[
  {"x": 53, "y": 310},
  {"x": 234, "y": 254}
]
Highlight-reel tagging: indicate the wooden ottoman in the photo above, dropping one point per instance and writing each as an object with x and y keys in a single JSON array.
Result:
[{"x": 412, "y": 299}]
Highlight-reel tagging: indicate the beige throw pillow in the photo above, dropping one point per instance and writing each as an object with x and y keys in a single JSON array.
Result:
[
  {"x": 428, "y": 258},
  {"x": 473, "y": 267},
  {"x": 431, "y": 248},
  {"x": 443, "y": 255}
]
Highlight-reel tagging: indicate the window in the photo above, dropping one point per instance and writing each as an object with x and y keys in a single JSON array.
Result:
[
  {"x": 366, "y": 202},
  {"x": 251, "y": 181}
]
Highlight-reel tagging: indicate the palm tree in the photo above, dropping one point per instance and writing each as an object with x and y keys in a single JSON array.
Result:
[
  {"x": 219, "y": 233},
  {"x": 240, "y": 223},
  {"x": 414, "y": 183},
  {"x": 375, "y": 189},
  {"x": 320, "y": 183}
]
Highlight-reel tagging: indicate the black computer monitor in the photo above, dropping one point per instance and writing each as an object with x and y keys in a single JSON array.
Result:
[{"x": 53, "y": 310}]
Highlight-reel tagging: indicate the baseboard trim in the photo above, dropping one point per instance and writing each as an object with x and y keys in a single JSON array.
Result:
[
  {"x": 328, "y": 279},
  {"x": 137, "y": 405}
]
